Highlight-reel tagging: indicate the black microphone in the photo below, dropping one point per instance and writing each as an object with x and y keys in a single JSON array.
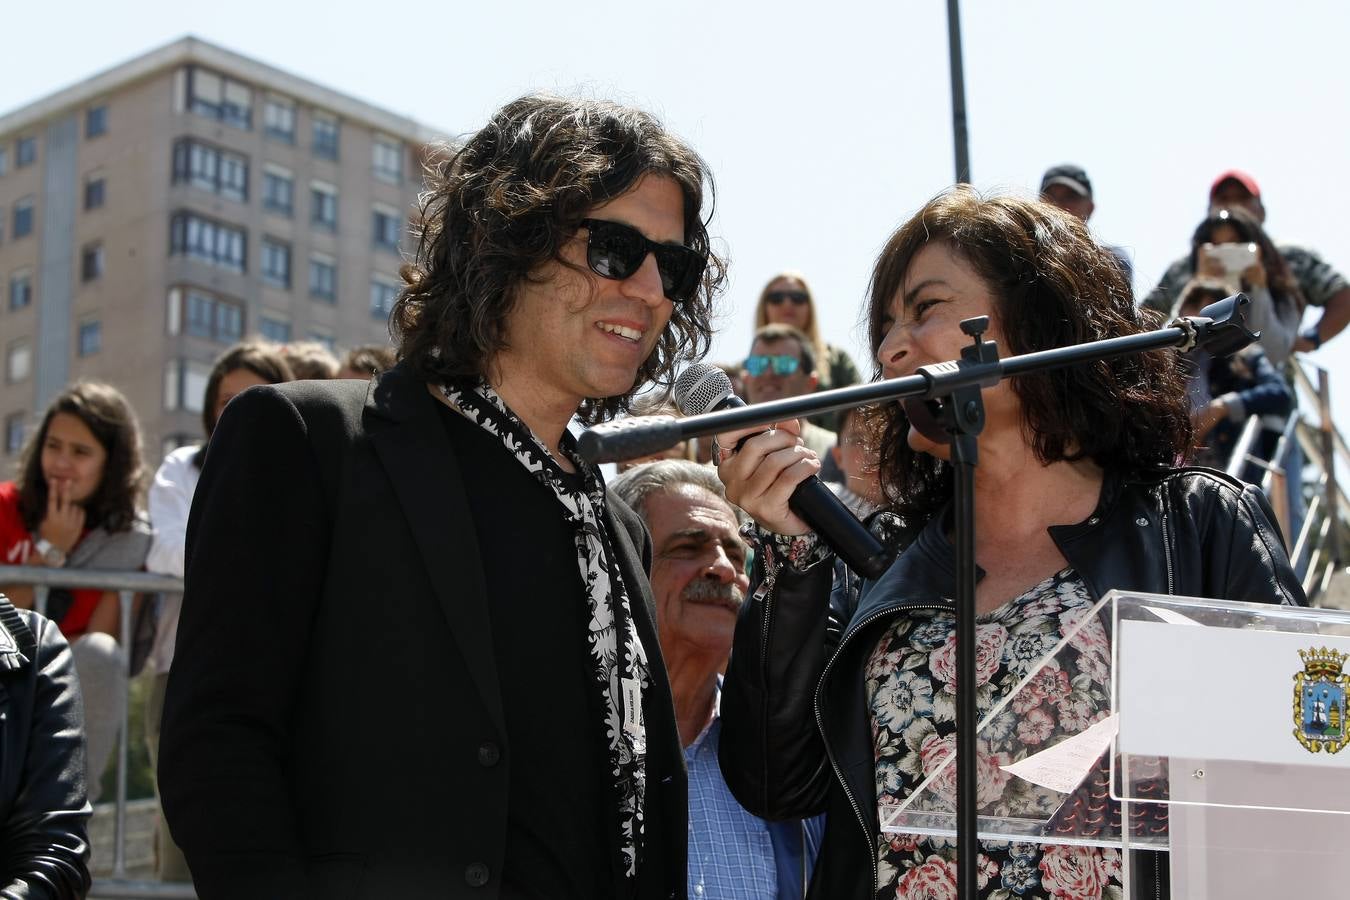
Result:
[{"x": 702, "y": 388}]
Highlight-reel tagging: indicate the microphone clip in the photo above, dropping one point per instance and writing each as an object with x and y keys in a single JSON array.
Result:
[
  {"x": 1220, "y": 328},
  {"x": 952, "y": 406}
]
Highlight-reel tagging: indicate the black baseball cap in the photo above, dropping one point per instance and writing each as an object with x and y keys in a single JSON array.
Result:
[{"x": 1072, "y": 177}]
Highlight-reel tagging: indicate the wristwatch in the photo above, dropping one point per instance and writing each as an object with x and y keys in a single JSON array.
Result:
[{"x": 51, "y": 554}]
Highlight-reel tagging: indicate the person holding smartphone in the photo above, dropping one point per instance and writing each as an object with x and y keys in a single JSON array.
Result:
[
  {"x": 1321, "y": 284},
  {"x": 1231, "y": 246}
]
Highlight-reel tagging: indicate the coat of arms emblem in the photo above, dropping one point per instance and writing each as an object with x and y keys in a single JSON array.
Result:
[{"x": 1319, "y": 700}]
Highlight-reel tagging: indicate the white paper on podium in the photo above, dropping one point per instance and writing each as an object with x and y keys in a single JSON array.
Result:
[{"x": 1064, "y": 766}]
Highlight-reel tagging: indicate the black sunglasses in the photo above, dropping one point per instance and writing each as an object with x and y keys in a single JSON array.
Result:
[
  {"x": 775, "y": 298},
  {"x": 615, "y": 250}
]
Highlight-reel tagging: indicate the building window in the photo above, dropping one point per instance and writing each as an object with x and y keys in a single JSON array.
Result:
[
  {"x": 220, "y": 98},
  {"x": 215, "y": 242},
  {"x": 279, "y": 120},
  {"x": 323, "y": 278},
  {"x": 323, "y": 337},
  {"x": 387, "y": 227},
  {"x": 214, "y": 318},
  {"x": 25, "y": 152},
  {"x": 273, "y": 329},
  {"x": 325, "y": 136},
  {"x": 278, "y": 191},
  {"x": 18, "y": 362},
  {"x": 382, "y": 294},
  {"x": 276, "y": 262},
  {"x": 323, "y": 200},
  {"x": 93, "y": 193},
  {"x": 20, "y": 290},
  {"x": 14, "y": 432},
  {"x": 95, "y": 121},
  {"x": 185, "y": 384},
  {"x": 387, "y": 159},
  {"x": 4, "y": 160},
  {"x": 91, "y": 337},
  {"x": 91, "y": 262},
  {"x": 23, "y": 218},
  {"x": 211, "y": 169}
]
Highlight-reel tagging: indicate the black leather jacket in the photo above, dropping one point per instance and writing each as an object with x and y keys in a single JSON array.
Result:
[
  {"x": 796, "y": 734},
  {"x": 44, "y": 849}
]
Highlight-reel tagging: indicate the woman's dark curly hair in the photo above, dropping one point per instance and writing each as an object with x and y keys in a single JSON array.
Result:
[
  {"x": 1052, "y": 286},
  {"x": 1283, "y": 285},
  {"x": 504, "y": 204},
  {"x": 106, "y": 413}
]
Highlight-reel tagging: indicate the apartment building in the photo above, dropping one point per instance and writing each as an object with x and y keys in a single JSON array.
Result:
[{"x": 154, "y": 214}]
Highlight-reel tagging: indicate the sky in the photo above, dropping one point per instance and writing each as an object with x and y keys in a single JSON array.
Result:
[{"x": 827, "y": 124}]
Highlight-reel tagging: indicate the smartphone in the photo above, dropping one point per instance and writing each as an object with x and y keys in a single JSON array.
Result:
[{"x": 1236, "y": 258}]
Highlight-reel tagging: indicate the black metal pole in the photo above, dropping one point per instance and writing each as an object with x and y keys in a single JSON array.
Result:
[
  {"x": 958, "y": 92},
  {"x": 1221, "y": 329},
  {"x": 965, "y": 450}
]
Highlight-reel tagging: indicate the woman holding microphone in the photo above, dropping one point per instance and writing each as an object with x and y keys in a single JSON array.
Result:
[{"x": 1077, "y": 492}]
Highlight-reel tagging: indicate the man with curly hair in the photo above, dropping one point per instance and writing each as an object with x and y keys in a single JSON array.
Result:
[{"x": 417, "y": 654}]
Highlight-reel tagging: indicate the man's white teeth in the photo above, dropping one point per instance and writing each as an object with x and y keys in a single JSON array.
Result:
[{"x": 631, "y": 333}]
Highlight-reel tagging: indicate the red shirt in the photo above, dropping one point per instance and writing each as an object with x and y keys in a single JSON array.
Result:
[{"x": 16, "y": 545}]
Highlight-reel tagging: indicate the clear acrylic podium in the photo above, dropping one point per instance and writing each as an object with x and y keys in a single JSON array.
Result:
[{"x": 1226, "y": 744}]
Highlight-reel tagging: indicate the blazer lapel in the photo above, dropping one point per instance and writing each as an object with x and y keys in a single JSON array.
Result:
[{"x": 421, "y": 464}]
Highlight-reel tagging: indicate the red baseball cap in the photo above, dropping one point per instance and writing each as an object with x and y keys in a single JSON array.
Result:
[{"x": 1241, "y": 177}]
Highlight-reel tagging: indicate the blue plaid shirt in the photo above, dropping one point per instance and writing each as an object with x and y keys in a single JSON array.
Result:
[{"x": 730, "y": 851}]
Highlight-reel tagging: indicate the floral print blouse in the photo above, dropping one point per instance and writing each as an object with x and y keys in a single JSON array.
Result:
[{"x": 912, "y": 698}]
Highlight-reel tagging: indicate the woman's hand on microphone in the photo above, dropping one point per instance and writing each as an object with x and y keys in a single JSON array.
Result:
[{"x": 761, "y": 476}]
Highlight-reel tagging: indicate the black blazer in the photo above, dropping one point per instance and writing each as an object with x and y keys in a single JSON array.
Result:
[{"x": 333, "y": 725}]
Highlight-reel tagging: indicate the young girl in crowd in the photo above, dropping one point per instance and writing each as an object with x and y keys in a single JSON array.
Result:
[{"x": 75, "y": 505}]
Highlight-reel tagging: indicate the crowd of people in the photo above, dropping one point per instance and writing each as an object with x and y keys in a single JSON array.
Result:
[{"x": 422, "y": 644}]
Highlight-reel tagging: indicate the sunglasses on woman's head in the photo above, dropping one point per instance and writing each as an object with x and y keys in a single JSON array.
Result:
[
  {"x": 757, "y": 364},
  {"x": 776, "y": 298},
  {"x": 615, "y": 250}
]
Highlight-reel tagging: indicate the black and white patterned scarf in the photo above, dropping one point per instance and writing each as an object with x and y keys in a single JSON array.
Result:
[{"x": 618, "y": 660}]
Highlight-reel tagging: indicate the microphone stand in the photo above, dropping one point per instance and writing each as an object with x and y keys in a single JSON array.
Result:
[{"x": 944, "y": 402}]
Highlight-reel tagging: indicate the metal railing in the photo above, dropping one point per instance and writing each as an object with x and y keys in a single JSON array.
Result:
[
  {"x": 127, "y": 585},
  {"x": 1315, "y": 551}
]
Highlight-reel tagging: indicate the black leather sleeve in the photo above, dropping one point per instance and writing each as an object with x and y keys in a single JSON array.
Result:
[
  {"x": 1257, "y": 568},
  {"x": 771, "y": 752},
  {"x": 44, "y": 849},
  {"x": 257, "y": 545}
]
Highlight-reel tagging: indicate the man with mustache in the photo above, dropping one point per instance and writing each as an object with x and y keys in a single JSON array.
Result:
[{"x": 699, "y": 581}]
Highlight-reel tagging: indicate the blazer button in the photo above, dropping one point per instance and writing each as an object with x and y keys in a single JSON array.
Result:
[
  {"x": 488, "y": 754},
  {"x": 476, "y": 875}
]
